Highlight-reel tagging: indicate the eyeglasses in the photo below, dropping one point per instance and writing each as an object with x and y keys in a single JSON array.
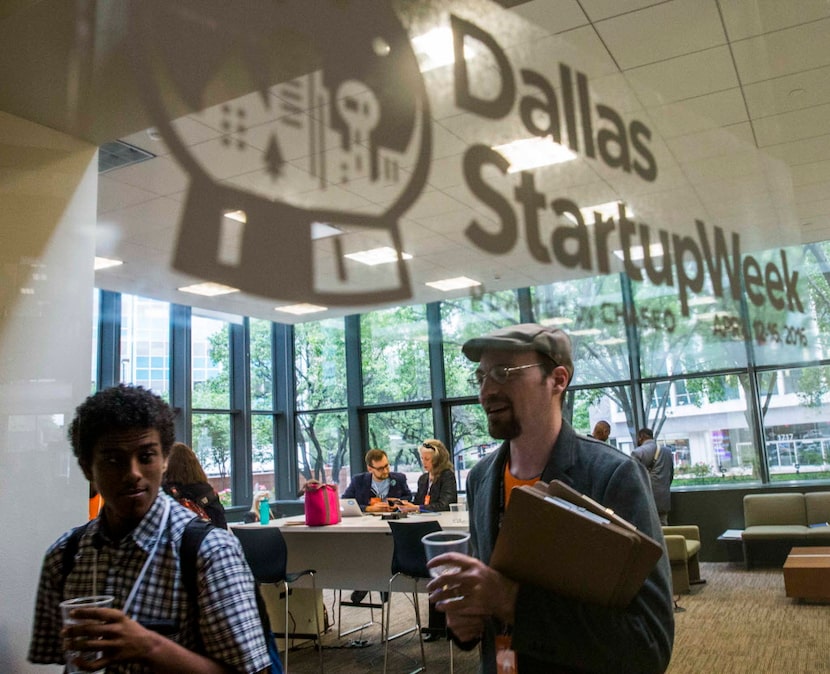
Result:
[
  {"x": 380, "y": 468},
  {"x": 429, "y": 446},
  {"x": 498, "y": 373}
]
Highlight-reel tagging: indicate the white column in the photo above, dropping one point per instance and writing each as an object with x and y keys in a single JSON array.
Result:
[{"x": 48, "y": 195}]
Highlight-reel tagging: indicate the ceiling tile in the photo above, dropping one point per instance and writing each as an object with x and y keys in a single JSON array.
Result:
[
  {"x": 794, "y": 125},
  {"x": 602, "y": 9},
  {"x": 160, "y": 175},
  {"x": 114, "y": 195},
  {"x": 783, "y": 53},
  {"x": 554, "y": 16},
  {"x": 791, "y": 92},
  {"x": 801, "y": 152},
  {"x": 684, "y": 77},
  {"x": 747, "y": 18},
  {"x": 698, "y": 114},
  {"x": 807, "y": 174},
  {"x": 661, "y": 32}
]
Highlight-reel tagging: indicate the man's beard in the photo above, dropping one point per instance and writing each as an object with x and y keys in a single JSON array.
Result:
[{"x": 505, "y": 428}]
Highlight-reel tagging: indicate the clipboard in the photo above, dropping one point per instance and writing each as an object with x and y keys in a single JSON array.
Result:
[{"x": 554, "y": 537}]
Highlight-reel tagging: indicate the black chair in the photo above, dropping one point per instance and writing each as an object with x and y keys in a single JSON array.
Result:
[
  {"x": 368, "y": 604},
  {"x": 409, "y": 560},
  {"x": 267, "y": 555}
]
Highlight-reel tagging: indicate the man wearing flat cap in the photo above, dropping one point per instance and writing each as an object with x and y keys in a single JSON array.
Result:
[{"x": 523, "y": 372}]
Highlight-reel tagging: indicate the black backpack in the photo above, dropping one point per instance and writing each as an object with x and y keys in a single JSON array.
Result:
[{"x": 194, "y": 534}]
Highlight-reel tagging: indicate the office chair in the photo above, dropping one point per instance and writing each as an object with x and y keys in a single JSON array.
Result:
[
  {"x": 267, "y": 555},
  {"x": 409, "y": 560}
]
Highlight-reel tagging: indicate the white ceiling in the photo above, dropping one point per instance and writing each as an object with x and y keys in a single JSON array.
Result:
[{"x": 737, "y": 93}]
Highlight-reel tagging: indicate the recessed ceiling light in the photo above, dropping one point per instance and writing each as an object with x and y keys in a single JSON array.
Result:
[
  {"x": 528, "y": 153},
  {"x": 434, "y": 49},
  {"x": 453, "y": 283},
  {"x": 636, "y": 253},
  {"x": 319, "y": 230},
  {"x": 106, "y": 263},
  {"x": 377, "y": 256},
  {"x": 300, "y": 309},
  {"x": 239, "y": 216},
  {"x": 209, "y": 289}
]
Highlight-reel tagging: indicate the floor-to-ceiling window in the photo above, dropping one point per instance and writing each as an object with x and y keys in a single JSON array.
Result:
[{"x": 738, "y": 392}]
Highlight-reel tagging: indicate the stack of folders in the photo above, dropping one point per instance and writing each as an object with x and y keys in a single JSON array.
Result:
[{"x": 559, "y": 539}]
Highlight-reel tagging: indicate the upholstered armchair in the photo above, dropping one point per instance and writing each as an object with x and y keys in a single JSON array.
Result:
[{"x": 683, "y": 544}]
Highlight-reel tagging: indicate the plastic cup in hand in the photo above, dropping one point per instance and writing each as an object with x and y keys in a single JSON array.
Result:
[
  {"x": 458, "y": 510},
  {"x": 97, "y": 601},
  {"x": 439, "y": 542}
]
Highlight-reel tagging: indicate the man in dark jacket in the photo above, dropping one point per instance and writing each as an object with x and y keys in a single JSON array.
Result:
[
  {"x": 372, "y": 489},
  {"x": 523, "y": 373}
]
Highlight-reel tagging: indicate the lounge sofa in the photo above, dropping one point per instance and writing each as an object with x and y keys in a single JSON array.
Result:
[
  {"x": 775, "y": 523},
  {"x": 683, "y": 545}
]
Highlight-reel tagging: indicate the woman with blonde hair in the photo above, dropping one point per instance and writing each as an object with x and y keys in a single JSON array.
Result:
[
  {"x": 436, "y": 486},
  {"x": 185, "y": 481}
]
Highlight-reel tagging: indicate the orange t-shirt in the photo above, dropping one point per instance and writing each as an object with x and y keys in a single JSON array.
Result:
[{"x": 510, "y": 482}]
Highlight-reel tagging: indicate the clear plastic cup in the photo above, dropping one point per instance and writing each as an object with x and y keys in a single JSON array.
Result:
[
  {"x": 439, "y": 542},
  {"x": 458, "y": 511},
  {"x": 96, "y": 601}
]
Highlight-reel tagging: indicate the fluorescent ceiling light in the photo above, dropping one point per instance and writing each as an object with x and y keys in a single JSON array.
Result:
[
  {"x": 608, "y": 210},
  {"x": 323, "y": 230},
  {"x": 434, "y": 49},
  {"x": 300, "y": 309},
  {"x": 106, "y": 263},
  {"x": 636, "y": 252},
  {"x": 319, "y": 230},
  {"x": 453, "y": 283},
  {"x": 528, "y": 153},
  {"x": 611, "y": 341},
  {"x": 209, "y": 289},
  {"x": 556, "y": 320},
  {"x": 377, "y": 256},
  {"x": 585, "y": 332}
]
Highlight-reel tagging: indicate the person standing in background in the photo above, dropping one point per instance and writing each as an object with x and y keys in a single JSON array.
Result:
[{"x": 659, "y": 463}]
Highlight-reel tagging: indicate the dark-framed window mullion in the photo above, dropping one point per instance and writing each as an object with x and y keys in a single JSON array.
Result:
[
  {"x": 354, "y": 395},
  {"x": 284, "y": 405},
  {"x": 181, "y": 374},
  {"x": 438, "y": 389},
  {"x": 109, "y": 339},
  {"x": 240, "y": 402}
]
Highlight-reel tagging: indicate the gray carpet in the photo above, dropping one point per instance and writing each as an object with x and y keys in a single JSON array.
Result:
[{"x": 738, "y": 622}]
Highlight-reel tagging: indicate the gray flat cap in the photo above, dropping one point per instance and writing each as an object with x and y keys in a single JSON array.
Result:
[{"x": 550, "y": 342}]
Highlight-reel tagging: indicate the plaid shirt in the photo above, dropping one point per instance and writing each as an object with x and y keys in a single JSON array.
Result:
[{"x": 228, "y": 620}]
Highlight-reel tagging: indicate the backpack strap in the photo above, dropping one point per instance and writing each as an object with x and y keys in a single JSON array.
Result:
[{"x": 69, "y": 552}]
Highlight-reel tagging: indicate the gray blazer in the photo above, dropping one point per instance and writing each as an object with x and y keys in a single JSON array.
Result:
[
  {"x": 660, "y": 467},
  {"x": 558, "y": 634}
]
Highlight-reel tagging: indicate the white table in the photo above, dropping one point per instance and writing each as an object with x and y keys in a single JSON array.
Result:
[{"x": 354, "y": 554}]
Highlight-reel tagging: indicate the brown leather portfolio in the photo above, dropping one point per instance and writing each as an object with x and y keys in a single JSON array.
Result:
[{"x": 556, "y": 538}]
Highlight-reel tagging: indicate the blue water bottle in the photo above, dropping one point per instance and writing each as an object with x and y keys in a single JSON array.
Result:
[{"x": 264, "y": 511}]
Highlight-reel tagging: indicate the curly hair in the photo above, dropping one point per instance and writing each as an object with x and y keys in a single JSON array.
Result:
[
  {"x": 441, "y": 457},
  {"x": 119, "y": 408}
]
